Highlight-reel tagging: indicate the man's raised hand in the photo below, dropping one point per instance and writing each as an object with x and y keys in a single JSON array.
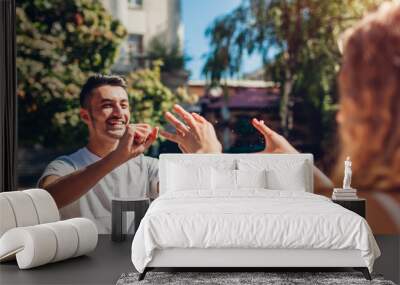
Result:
[
  {"x": 194, "y": 135},
  {"x": 136, "y": 140}
]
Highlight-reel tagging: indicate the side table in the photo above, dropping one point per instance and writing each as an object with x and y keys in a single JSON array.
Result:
[
  {"x": 118, "y": 212},
  {"x": 357, "y": 205}
]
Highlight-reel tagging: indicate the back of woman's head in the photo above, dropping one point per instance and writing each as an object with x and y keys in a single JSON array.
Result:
[{"x": 369, "y": 84}]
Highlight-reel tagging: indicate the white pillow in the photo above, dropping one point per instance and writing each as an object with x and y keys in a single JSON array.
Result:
[
  {"x": 291, "y": 181},
  {"x": 184, "y": 177},
  {"x": 281, "y": 174},
  {"x": 251, "y": 178},
  {"x": 224, "y": 179}
]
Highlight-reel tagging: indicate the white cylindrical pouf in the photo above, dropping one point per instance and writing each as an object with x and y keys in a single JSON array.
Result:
[
  {"x": 34, "y": 246},
  {"x": 87, "y": 233},
  {"x": 67, "y": 239},
  {"x": 7, "y": 217},
  {"x": 23, "y": 208},
  {"x": 45, "y": 205},
  {"x": 40, "y": 244}
]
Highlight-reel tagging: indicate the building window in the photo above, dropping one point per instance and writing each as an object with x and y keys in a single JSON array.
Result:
[
  {"x": 135, "y": 3},
  {"x": 135, "y": 44},
  {"x": 131, "y": 52}
]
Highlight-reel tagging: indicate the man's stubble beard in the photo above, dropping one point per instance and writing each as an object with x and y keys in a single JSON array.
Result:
[{"x": 106, "y": 133}]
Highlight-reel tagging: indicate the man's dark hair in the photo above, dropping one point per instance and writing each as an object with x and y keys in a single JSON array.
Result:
[{"x": 96, "y": 81}]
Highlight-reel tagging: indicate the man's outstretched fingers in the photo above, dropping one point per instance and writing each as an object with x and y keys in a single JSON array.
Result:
[
  {"x": 178, "y": 125},
  {"x": 199, "y": 118},
  {"x": 182, "y": 148},
  {"x": 186, "y": 116},
  {"x": 179, "y": 109},
  {"x": 169, "y": 136}
]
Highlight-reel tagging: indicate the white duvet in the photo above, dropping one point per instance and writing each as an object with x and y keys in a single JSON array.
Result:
[{"x": 257, "y": 218}]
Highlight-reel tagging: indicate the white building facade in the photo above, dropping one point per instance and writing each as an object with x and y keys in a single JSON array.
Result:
[{"x": 145, "y": 20}]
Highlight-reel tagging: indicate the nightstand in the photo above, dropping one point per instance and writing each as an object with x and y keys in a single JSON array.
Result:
[
  {"x": 119, "y": 208},
  {"x": 357, "y": 205}
]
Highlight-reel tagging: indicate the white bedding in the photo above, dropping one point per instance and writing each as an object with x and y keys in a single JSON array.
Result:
[{"x": 252, "y": 218}]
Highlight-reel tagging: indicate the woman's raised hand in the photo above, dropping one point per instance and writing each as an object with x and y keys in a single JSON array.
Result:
[{"x": 274, "y": 142}]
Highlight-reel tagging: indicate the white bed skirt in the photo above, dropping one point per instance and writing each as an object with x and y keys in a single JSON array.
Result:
[{"x": 235, "y": 257}]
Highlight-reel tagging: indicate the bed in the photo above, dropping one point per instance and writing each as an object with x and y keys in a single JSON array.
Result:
[{"x": 247, "y": 210}]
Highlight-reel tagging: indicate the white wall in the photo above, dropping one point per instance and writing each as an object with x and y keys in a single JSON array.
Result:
[{"x": 156, "y": 18}]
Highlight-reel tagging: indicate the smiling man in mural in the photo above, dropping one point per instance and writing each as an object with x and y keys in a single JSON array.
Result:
[{"x": 112, "y": 164}]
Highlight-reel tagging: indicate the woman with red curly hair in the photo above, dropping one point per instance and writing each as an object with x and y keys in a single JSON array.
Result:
[{"x": 368, "y": 117}]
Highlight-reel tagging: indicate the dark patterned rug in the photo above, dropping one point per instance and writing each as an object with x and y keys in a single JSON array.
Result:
[{"x": 230, "y": 278}]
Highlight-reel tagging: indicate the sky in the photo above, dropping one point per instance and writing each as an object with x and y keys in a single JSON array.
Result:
[{"x": 197, "y": 15}]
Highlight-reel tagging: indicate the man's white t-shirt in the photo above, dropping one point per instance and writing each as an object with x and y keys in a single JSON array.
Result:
[{"x": 136, "y": 178}]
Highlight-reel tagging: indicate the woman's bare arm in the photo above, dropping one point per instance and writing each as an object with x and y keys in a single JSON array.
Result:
[{"x": 275, "y": 143}]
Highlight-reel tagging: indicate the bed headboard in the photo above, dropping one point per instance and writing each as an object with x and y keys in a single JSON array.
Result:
[{"x": 299, "y": 166}]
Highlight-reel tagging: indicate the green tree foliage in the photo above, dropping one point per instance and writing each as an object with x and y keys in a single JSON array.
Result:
[
  {"x": 172, "y": 57},
  {"x": 150, "y": 98},
  {"x": 58, "y": 44},
  {"x": 298, "y": 41}
]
